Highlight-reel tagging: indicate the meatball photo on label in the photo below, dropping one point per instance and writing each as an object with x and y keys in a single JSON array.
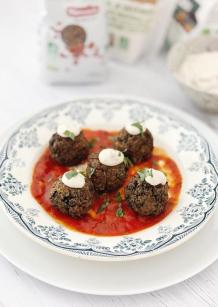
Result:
[
  {"x": 135, "y": 141},
  {"x": 68, "y": 146},
  {"x": 107, "y": 169},
  {"x": 147, "y": 192},
  {"x": 72, "y": 194}
]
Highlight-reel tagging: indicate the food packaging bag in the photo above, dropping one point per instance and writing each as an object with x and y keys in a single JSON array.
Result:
[
  {"x": 137, "y": 28},
  {"x": 191, "y": 18},
  {"x": 129, "y": 24},
  {"x": 73, "y": 41}
]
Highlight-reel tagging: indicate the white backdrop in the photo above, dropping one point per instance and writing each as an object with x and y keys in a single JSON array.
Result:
[{"x": 23, "y": 92}]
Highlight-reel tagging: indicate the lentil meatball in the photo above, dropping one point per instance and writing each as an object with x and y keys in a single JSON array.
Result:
[
  {"x": 72, "y": 201},
  {"x": 105, "y": 178},
  {"x": 144, "y": 198},
  {"x": 137, "y": 147},
  {"x": 68, "y": 152}
]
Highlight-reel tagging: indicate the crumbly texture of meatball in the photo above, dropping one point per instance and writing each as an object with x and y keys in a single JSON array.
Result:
[
  {"x": 74, "y": 202},
  {"x": 105, "y": 178},
  {"x": 144, "y": 198},
  {"x": 68, "y": 152},
  {"x": 137, "y": 147}
]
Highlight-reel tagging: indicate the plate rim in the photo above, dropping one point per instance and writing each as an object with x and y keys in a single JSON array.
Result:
[
  {"x": 106, "y": 292},
  {"x": 190, "y": 233}
]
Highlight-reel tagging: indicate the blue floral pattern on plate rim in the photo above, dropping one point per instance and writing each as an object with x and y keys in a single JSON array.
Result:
[{"x": 196, "y": 160}]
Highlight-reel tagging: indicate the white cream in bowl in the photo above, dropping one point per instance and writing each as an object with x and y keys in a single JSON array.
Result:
[{"x": 200, "y": 71}]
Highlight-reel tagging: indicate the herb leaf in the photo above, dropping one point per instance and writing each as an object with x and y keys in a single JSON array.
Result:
[
  {"x": 91, "y": 171},
  {"x": 82, "y": 173},
  {"x": 69, "y": 134},
  {"x": 112, "y": 138},
  {"x": 127, "y": 162},
  {"x": 119, "y": 197},
  {"x": 139, "y": 126},
  {"x": 120, "y": 212},
  {"x": 146, "y": 172},
  {"x": 71, "y": 174},
  {"x": 141, "y": 175},
  {"x": 103, "y": 206},
  {"x": 92, "y": 142},
  {"x": 155, "y": 163}
]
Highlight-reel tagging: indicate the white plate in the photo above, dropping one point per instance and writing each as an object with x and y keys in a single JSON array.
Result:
[
  {"x": 171, "y": 131},
  {"x": 131, "y": 277},
  {"x": 112, "y": 278}
]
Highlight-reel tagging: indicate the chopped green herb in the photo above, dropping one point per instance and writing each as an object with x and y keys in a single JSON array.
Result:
[
  {"x": 103, "y": 206},
  {"x": 146, "y": 172},
  {"x": 91, "y": 171},
  {"x": 141, "y": 175},
  {"x": 127, "y": 162},
  {"x": 139, "y": 126},
  {"x": 120, "y": 212},
  {"x": 82, "y": 173},
  {"x": 111, "y": 138},
  {"x": 69, "y": 134},
  {"x": 119, "y": 154},
  {"x": 119, "y": 197},
  {"x": 155, "y": 163},
  {"x": 92, "y": 142},
  {"x": 165, "y": 173},
  {"x": 71, "y": 174}
]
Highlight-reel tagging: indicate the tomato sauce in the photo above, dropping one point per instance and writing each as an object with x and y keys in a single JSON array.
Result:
[{"x": 106, "y": 222}]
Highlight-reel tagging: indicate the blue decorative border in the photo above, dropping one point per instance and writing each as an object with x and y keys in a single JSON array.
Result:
[{"x": 92, "y": 248}]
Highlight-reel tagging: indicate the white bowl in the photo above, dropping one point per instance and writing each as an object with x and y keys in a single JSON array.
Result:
[
  {"x": 176, "y": 57},
  {"x": 183, "y": 142}
]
